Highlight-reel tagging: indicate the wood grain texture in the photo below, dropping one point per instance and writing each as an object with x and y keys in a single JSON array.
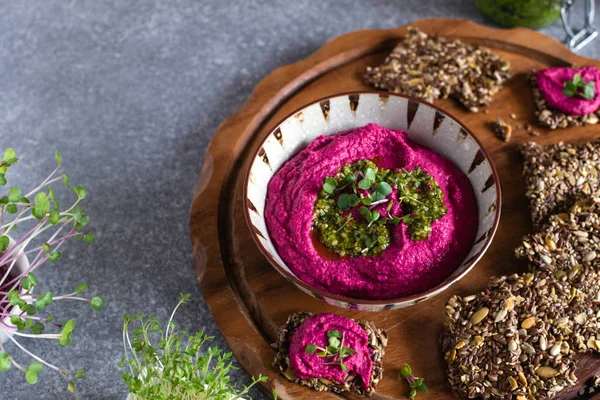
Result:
[{"x": 249, "y": 299}]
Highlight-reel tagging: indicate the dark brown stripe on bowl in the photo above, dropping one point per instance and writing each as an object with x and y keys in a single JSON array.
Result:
[
  {"x": 255, "y": 229},
  {"x": 263, "y": 154},
  {"x": 278, "y": 136},
  {"x": 251, "y": 206},
  {"x": 325, "y": 109},
  {"x": 489, "y": 183},
  {"x": 478, "y": 159},
  {"x": 437, "y": 121},
  {"x": 353, "y": 101},
  {"x": 483, "y": 237},
  {"x": 462, "y": 135},
  {"x": 411, "y": 111}
]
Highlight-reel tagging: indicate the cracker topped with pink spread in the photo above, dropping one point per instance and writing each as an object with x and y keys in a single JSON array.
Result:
[{"x": 566, "y": 97}]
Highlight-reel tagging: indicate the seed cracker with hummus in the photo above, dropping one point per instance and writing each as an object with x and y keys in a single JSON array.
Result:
[
  {"x": 566, "y": 97},
  {"x": 296, "y": 361}
]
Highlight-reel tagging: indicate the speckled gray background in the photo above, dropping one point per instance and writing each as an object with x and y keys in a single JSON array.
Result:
[{"x": 131, "y": 93}]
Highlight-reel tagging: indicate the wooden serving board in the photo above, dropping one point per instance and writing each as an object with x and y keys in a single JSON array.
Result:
[{"x": 250, "y": 300}]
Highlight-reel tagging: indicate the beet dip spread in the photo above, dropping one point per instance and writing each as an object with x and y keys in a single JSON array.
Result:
[
  {"x": 370, "y": 214},
  {"x": 557, "y": 84},
  {"x": 315, "y": 333}
]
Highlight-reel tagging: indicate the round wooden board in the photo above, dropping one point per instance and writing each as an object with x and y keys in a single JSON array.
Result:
[{"x": 250, "y": 300}]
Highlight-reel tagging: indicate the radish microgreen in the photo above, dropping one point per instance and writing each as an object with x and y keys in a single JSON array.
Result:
[
  {"x": 415, "y": 384},
  {"x": 577, "y": 86},
  {"x": 48, "y": 226},
  {"x": 335, "y": 350}
]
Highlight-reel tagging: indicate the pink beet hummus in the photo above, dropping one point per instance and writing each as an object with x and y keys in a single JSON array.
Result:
[
  {"x": 551, "y": 84},
  {"x": 406, "y": 267},
  {"x": 314, "y": 331}
]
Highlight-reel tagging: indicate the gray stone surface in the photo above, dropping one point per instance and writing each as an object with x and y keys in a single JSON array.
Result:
[{"x": 131, "y": 93}]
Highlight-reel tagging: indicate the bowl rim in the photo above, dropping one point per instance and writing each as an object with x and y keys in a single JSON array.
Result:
[{"x": 372, "y": 302}]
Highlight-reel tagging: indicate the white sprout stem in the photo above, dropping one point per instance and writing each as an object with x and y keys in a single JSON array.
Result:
[
  {"x": 6, "y": 274},
  {"x": 30, "y": 354},
  {"x": 8, "y": 226},
  {"x": 46, "y": 182},
  {"x": 67, "y": 297},
  {"x": 171, "y": 318},
  {"x": 52, "y": 336}
]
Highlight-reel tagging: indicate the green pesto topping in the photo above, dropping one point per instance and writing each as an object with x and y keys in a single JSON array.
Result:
[{"x": 349, "y": 214}]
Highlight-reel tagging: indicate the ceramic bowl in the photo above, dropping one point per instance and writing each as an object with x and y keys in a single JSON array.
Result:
[{"x": 426, "y": 124}]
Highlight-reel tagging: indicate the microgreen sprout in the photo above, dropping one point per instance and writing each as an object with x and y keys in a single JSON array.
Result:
[
  {"x": 415, "y": 384},
  {"x": 48, "y": 227},
  {"x": 163, "y": 363},
  {"x": 334, "y": 351},
  {"x": 577, "y": 86}
]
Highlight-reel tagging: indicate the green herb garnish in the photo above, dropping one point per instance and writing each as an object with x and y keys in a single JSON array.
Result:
[
  {"x": 579, "y": 87},
  {"x": 334, "y": 351},
  {"x": 416, "y": 384},
  {"x": 359, "y": 188}
]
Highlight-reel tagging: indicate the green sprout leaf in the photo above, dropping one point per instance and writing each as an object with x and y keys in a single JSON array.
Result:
[
  {"x": 577, "y": 86},
  {"x": 58, "y": 159},
  {"x": 15, "y": 300},
  {"x": 32, "y": 371},
  {"x": 330, "y": 185},
  {"x": 4, "y": 361},
  {"x": 370, "y": 174},
  {"x": 29, "y": 281},
  {"x": 66, "y": 331},
  {"x": 9, "y": 154},
  {"x": 55, "y": 256},
  {"x": 97, "y": 303},
  {"x": 4, "y": 242},
  {"x": 310, "y": 349},
  {"x": 81, "y": 287},
  {"x": 405, "y": 371},
  {"x": 384, "y": 188},
  {"x": 71, "y": 387},
  {"x": 364, "y": 184},
  {"x": 54, "y": 217},
  {"x": 15, "y": 195},
  {"x": 334, "y": 333}
]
